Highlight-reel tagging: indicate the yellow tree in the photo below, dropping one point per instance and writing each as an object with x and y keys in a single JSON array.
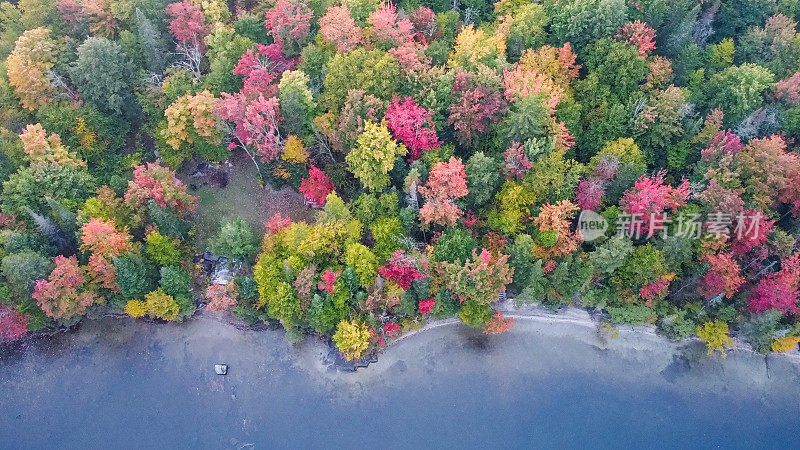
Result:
[
  {"x": 715, "y": 334},
  {"x": 374, "y": 156},
  {"x": 28, "y": 66},
  {"x": 351, "y": 338},
  {"x": 192, "y": 127},
  {"x": 40, "y": 147}
]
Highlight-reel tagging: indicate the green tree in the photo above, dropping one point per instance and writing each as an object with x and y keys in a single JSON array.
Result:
[
  {"x": 363, "y": 261},
  {"x": 760, "y": 329},
  {"x": 297, "y": 104},
  {"x": 454, "y": 245},
  {"x": 103, "y": 76},
  {"x": 738, "y": 90},
  {"x": 133, "y": 276},
  {"x": 388, "y": 233},
  {"x": 617, "y": 65},
  {"x": 22, "y": 270},
  {"x": 175, "y": 281},
  {"x": 374, "y": 71},
  {"x": 475, "y": 314},
  {"x": 31, "y": 186},
  {"x": 583, "y": 21},
  {"x": 483, "y": 179},
  {"x": 236, "y": 240},
  {"x": 224, "y": 50}
]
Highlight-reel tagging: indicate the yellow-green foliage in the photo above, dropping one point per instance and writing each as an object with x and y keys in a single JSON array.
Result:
[
  {"x": 475, "y": 48},
  {"x": 553, "y": 178},
  {"x": 162, "y": 249},
  {"x": 363, "y": 261},
  {"x": 374, "y": 156},
  {"x": 721, "y": 54},
  {"x": 298, "y": 246},
  {"x": 512, "y": 207},
  {"x": 374, "y": 71},
  {"x": 715, "y": 334},
  {"x": 387, "y": 232},
  {"x": 327, "y": 239},
  {"x": 161, "y": 305},
  {"x": 624, "y": 150},
  {"x": 283, "y": 304},
  {"x": 267, "y": 274},
  {"x": 351, "y": 338},
  {"x": 335, "y": 209}
]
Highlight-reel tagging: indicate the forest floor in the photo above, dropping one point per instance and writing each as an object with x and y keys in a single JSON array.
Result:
[{"x": 244, "y": 197}]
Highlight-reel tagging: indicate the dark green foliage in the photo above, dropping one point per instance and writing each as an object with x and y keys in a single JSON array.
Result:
[
  {"x": 454, "y": 245},
  {"x": 483, "y": 179},
  {"x": 134, "y": 277},
  {"x": 324, "y": 314},
  {"x": 186, "y": 305},
  {"x": 527, "y": 119},
  {"x": 521, "y": 258},
  {"x": 631, "y": 314},
  {"x": 31, "y": 186},
  {"x": 175, "y": 281},
  {"x": 617, "y": 66},
  {"x": 22, "y": 270},
  {"x": 103, "y": 76},
  {"x": 677, "y": 325},
  {"x": 584, "y": 21},
  {"x": 313, "y": 62},
  {"x": 166, "y": 221},
  {"x": 53, "y": 233},
  {"x": 15, "y": 241},
  {"x": 446, "y": 305},
  {"x": 569, "y": 278},
  {"x": 60, "y": 118},
  {"x": 736, "y": 16},
  {"x": 248, "y": 289},
  {"x": 151, "y": 42},
  {"x": 252, "y": 27},
  {"x": 760, "y": 329}
]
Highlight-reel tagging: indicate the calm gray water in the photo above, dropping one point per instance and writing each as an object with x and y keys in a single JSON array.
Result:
[{"x": 125, "y": 384}]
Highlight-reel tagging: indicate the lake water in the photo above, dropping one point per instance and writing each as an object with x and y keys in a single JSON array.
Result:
[{"x": 124, "y": 384}]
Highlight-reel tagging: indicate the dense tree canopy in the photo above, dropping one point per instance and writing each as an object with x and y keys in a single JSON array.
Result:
[{"x": 455, "y": 153}]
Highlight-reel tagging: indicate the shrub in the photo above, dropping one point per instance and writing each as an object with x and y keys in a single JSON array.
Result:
[
  {"x": 161, "y": 305},
  {"x": 715, "y": 334},
  {"x": 136, "y": 308},
  {"x": 759, "y": 329}
]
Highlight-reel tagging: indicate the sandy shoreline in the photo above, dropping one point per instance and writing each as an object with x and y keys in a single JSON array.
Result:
[
  {"x": 583, "y": 318},
  {"x": 552, "y": 375}
]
